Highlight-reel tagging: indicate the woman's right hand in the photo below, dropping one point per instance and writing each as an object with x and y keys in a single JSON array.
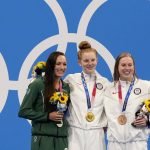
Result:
[{"x": 56, "y": 116}]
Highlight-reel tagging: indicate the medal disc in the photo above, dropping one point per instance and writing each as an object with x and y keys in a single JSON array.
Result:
[
  {"x": 122, "y": 119},
  {"x": 90, "y": 117}
]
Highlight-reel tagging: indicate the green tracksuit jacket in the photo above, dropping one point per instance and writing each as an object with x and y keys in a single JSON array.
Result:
[{"x": 45, "y": 133}]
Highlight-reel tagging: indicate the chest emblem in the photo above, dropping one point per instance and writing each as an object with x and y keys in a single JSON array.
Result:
[
  {"x": 99, "y": 86},
  {"x": 137, "y": 91}
]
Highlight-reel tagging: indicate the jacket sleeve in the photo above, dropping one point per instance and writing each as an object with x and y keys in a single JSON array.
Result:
[{"x": 29, "y": 109}]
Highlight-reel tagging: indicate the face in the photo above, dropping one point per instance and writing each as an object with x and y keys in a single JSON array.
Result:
[
  {"x": 126, "y": 68},
  {"x": 60, "y": 66},
  {"x": 88, "y": 62}
]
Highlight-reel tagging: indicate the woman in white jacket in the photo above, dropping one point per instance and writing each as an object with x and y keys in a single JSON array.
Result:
[
  {"x": 122, "y": 99},
  {"x": 86, "y": 113}
]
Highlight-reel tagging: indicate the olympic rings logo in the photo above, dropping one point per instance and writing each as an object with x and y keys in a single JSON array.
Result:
[{"x": 61, "y": 39}]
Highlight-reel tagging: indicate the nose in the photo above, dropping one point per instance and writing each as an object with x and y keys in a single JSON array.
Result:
[
  {"x": 90, "y": 63},
  {"x": 62, "y": 66},
  {"x": 127, "y": 67}
]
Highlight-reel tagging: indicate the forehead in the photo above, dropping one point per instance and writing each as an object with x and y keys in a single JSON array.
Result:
[
  {"x": 61, "y": 58},
  {"x": 88, "y": 55},
  {"x": 126, "y": 60}
]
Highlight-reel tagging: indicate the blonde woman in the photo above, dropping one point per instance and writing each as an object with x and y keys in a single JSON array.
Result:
[{"x": 86, "y": 113}]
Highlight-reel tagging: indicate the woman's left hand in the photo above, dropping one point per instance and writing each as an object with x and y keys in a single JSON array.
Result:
[{"x": 141, "y": 121}]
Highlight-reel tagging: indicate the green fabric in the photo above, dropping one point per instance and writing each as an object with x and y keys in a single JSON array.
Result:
[
  {"x": 32, "y": 108},
  {"x": 48, "y": 143}
]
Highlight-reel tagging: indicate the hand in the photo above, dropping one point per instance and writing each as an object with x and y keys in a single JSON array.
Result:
[
  {"x": 56, "y": 116},
  {"x": 140, "y": 121}
]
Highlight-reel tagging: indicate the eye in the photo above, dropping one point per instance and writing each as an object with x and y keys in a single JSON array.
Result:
[
  {"x": 58, "y": 63},
  {"x": 130, "y": 65},
  {"x": 93, "y": 59},
  {"x": 123, "y": 65},
  {"x": 86, "y": 60}
]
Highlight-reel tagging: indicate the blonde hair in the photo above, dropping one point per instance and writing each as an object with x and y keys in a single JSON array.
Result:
[{"x": 84, "y": 47}]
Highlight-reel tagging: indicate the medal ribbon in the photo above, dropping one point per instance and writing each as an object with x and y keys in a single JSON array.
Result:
[
  {"x": 87, "y": 92},
  {"x": 127, "y": 95},
  {"x": 119, "y": 92},
  {"x": 60, "y": 86}
]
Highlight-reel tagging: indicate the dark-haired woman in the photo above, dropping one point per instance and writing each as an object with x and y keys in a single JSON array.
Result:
[
  {"x": 122, "y": 100},
  {"x": 87, "y": 117},
  {"x": 45, "y": 104}
]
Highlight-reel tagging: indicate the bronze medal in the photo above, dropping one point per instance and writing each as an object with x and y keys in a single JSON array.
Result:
[
  {"x": 122, "y": 119},
  {"x": 90, "y": 117}
]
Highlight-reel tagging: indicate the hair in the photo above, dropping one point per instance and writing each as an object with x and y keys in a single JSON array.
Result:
[
  {"x": 116, "y": 74},
  {"x": 39, "y": 68},
  {"x": 50, "y": 76},
  {"x": 84, "y": 47}
]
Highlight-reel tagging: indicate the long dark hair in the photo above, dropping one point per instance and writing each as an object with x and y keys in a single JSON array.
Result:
[
  {"x": 116, "y": 74},
  {"x": 50, "y": 76}
]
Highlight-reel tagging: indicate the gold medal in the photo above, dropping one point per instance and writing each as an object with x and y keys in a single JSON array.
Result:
[
  {"x": 90, "y": 117},
  {"x": 122, "y": 119}
]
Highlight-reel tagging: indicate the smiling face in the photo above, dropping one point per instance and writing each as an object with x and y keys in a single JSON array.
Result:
[
  {"x": 88, "y": 62},
  {"x": 60, "y": 66},
  {"x": 126, "y": 68}
]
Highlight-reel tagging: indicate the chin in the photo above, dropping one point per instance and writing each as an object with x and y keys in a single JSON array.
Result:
[
  {"x": 127, "y": 78},
  {"x": 59, "y": 76},
  {"x": 90, "y": 72}
]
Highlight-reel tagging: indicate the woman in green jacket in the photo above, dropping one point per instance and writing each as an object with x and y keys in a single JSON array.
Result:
[{"x": 45, "y": 104}]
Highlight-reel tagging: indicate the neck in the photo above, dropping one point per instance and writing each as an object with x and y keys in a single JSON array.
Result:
[
  {"x": 89, "y": 73},
  {"x": 126, "y": 79},
  {"x": 57, "y": 79},
  {"x": 56, "y": 83}
]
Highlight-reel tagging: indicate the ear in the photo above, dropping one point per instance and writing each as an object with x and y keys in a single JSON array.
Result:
[
  {"x": 97, "y": 59},
  {"x": 79, "y": 62}
]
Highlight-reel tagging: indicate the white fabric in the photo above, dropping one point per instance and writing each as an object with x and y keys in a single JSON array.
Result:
[
  {"x": 78, "y": 110},
  {"x": 80, "y": 139},
  {"x": 125, "y": 134},
  {"x": 137, "y": 145}
]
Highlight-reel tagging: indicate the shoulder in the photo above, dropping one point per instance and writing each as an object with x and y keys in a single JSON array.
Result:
[
  {"x": 39, "y": 82},
  {"x": 111, "y": 88},
  {"x": 102, "y": 80},
  {"x": 65, "y": 86},
  {"x": 71, "y": 77},
  {"x": 143, "y": 82},
  {"x": 143, "y": 85}
]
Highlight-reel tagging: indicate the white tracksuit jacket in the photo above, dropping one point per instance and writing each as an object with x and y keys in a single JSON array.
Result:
[
  {"x": 84, "y": 135},
  {"x": 123, "y": 137}
]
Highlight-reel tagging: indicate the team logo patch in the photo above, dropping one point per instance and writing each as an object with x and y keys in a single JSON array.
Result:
[
  {"x": 35, "y": 138},
  {"x": 137, "y": 91},
  {"x": 99, "y": 86}
]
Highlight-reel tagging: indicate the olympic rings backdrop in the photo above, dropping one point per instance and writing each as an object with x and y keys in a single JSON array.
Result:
[{"x": 31, "y": 29}]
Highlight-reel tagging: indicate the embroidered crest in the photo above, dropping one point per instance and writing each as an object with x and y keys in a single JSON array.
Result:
[
  {"x": 137, "y": 91},
  {"x": 99, "y": 86}
]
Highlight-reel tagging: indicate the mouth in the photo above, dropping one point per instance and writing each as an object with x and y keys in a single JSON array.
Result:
[
  {"x": 127, "y": 72},
  {"x": 60, "y": 72},
  {"x": 90, "y": 68}
]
